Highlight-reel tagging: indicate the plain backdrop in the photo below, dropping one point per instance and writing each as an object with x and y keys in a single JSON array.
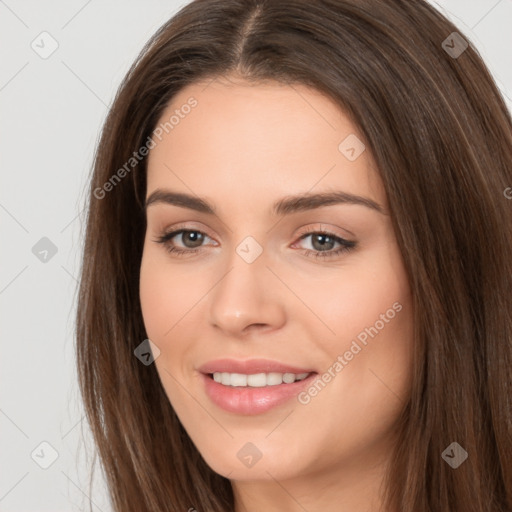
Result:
[{"x": 52, "y": 110}]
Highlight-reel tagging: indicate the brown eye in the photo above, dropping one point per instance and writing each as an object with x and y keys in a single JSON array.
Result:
[
  {"x": 191, "y": 239},
  {"x": 323, "y": 244},
  {"x": 321, "y": 241}
]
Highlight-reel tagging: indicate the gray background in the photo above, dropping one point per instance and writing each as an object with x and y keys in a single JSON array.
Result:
[{"x": 52, "y": 112}]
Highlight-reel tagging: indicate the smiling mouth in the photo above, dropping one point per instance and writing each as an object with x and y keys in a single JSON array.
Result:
[
  {"x": 254, "y": 393},
  {"x": 257, "y": 380}
]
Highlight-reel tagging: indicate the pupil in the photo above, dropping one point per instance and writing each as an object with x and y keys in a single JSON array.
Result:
[
  {"x": 321, "y": 239},
  {"x": 196, "y": 238}
]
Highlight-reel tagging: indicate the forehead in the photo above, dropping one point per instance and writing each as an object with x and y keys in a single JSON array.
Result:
[{"x": 254, "y": 141}]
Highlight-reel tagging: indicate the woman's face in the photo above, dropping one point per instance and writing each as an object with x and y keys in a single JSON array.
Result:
[{"x": 288, "y": 285}]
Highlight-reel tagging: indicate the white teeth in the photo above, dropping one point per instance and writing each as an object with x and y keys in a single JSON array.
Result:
[
  {"x": 257, "y": 380},
  {"x": 238, "y": 379},
  {"x": 288, "y": 378},
  {"x": 274, "y": 379}
]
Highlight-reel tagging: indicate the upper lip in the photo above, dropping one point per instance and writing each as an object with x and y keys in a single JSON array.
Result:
[{"x": 250, "y": 367}]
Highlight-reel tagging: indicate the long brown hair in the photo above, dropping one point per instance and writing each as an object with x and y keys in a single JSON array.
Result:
[{"x": 441, "y": 136}]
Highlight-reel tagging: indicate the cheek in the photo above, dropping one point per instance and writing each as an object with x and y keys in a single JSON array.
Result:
[
  {"x": 366, "y": 389},
  {"x": 363, "y": 305},
  {"x": 367, "y": 298},
  {"x": 155, "y": 297},
  {"x": 370, "y": 311},
  {"x": 166, "y": 293}
]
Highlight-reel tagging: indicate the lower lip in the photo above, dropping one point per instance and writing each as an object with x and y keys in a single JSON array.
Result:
[{"x": 249, "y": 400}]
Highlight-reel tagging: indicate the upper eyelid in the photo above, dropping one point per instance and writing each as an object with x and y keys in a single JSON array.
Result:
[
  {"x": 309, "y": 227},
  {"x": 179, "y": 229},
  {"x": 323, "y": 227}
]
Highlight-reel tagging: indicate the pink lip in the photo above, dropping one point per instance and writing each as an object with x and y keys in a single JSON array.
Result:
[
  {"x": 249, "y": 400},
  {"x": 250, "y": 367}
]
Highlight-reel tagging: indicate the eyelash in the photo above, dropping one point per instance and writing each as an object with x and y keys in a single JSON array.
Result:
[{"x": 346, "y": 245}]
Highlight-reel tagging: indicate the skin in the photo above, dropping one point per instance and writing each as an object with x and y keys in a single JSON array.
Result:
[{"x": 243, "y": 147}]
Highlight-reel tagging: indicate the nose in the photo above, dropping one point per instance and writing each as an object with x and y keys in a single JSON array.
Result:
[{"x": 248, "y": 297}]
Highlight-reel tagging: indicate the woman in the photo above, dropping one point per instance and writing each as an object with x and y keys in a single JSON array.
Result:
[{"x": 296, "y": 285}]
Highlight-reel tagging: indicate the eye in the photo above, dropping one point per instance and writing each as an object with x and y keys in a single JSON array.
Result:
[
  {"x": 192, "y": 239},
  {"x": 323, "y": 242}
]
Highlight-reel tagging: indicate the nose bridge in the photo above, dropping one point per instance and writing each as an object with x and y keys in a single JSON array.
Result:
[
  {"x": 246, "y": 293},
  {"x": 246, "y": 269}
]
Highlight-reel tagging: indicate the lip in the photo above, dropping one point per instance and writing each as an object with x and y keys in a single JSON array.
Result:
[
  {"x": 250, "y": 366},
  {"x": 249, "y": 400}
]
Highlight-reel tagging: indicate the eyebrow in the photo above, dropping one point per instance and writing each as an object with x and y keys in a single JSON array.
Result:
[{"x": 284, "y": 206}]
